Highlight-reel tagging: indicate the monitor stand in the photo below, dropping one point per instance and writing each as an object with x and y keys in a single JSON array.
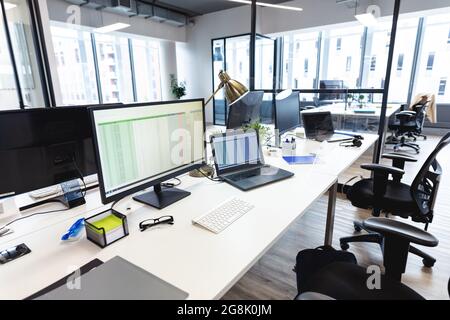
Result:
[{"x": 160, "y": 198}]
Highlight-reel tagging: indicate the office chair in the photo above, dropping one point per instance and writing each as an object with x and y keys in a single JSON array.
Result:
[
  {"x": 408, "y": 126},
  {"x": 347, "y": 281},
  {"x": 394, "y": 197}
]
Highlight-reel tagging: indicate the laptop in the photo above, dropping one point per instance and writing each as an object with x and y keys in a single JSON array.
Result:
[
  {"x": 319, "y": 127},
  {"x": 239, "y": 161}
]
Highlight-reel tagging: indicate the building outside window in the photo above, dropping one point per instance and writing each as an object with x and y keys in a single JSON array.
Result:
[
  {"x": 430, "y": 62},
  {"x": 442, "y": 86}
]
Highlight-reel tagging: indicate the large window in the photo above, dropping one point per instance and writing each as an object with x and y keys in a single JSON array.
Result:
[
  {"x": 433, "y": 64},
  {"x": 300, "y": 60},
  {"x": 25, "y": 57},
  {"x": 342, "y": 55},
  {"x": 113, "y": 54},
  {"x": 147, "y": 71},
  {"x": 74, "y": 57},
  {"x": 403, "y": 57}
]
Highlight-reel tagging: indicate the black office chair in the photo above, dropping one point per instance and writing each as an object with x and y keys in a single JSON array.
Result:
[
  {"x": 393, "y": 197},
  {"x": 407, "y": 126},
  {"x": 347, "y": 281}
]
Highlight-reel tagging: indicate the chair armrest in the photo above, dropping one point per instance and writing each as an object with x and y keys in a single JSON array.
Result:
[
  {"x": 395, "y": 156},
  {"x": 381, "y": 168},
  {"x": 402, "y": 230},
  {"x": 406, "y": 113}
]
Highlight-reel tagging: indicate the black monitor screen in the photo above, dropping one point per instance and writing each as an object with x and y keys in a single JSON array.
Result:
[
  {"x": 38, "y": 147},
  {"x": 287, "y": 112},
  {"x": 331, "y": 85},
  {"x": 246, "y": 110},
  {"x": 317, "y": 124}
]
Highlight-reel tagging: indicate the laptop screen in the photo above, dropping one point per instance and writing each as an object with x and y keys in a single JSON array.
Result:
[
  {"x": 317, "y": 124},
  {"x": 237, "y": 150}
]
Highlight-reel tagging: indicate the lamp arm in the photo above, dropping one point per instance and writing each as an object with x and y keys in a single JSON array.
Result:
[{"x": 214, "y": 94}]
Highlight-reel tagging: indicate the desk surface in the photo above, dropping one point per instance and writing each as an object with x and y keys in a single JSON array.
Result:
[
  {"x": 341, "y": 110},
  {"x": 197, "y": 261}
]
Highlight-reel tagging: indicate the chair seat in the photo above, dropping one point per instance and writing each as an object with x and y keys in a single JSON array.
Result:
[
  {"x": 396, "y": 228},
  {"x": 347, "y": 281},
  {"x": 397, "y": 200}
]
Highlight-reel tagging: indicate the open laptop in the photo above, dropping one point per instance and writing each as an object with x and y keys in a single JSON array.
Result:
[
  {"x": 319, "y": 127},
  {"x": 239, "y": 161}
]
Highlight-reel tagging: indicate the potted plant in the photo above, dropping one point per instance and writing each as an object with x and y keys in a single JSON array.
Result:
[
  {"x": 361, "y": 99},
  {"x": 178, "y": 89},
  {"x": 262, "y": 131}
]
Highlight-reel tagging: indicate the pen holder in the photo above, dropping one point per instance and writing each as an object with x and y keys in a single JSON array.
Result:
[{"x": 106, "y": 228}]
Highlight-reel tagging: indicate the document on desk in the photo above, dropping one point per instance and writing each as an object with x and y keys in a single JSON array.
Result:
[{"x": 116, "y": 279}]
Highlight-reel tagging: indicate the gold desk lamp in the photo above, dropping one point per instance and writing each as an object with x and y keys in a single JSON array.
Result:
[{"x": 233, "y": 90}]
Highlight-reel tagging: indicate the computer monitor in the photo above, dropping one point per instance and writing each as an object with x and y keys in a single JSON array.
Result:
[
  {"x": 331, "y": 85},
  {"x": 40, "y": 147},
  {"x": 140, "y": 146},
  {"x": 287, "y": 111},
  {"x": 317, "y": 124},
  {"x": 245, "y": 110}
]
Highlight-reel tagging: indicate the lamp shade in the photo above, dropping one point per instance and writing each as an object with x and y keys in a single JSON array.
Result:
[{"x": 233, "y": 89}]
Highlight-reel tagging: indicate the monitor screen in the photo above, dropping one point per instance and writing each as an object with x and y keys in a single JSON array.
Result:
[
  {"x": 331, "y": 85},
  {"x": 287, "y": 112},
  {"x": 245, "y": 110},
  {"x": 236, "y": 149},
  {"x": 317, "y": 124},
  {"x": 139, "y": 146},
  {"x": 39, "y": 147}
]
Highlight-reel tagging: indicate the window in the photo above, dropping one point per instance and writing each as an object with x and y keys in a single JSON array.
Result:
[
  {"x": 338, "y": 44},
  {"x": 148, "y": 70},
  {"x": 442, "y": 86},
  {"x": 76, "y": 69},
  {"x": 342, "y": 64},
  {"x": 400, "y": 62},
  {"x": 117, "y": 65},
  {"x": 300, "y": 64},
  {"x": 448, "y": 40},
  {"x": 430, "y": 62},
  {"x": 348, "y": 66},
  {"x": 373, "y": 63},
  {"x": 435, "y": 57}
]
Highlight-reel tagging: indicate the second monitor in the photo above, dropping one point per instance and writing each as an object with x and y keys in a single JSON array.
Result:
[{"x": 141, "y": 146}]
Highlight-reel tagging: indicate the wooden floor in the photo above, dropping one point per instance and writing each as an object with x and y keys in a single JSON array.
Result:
[{"x": 272, "y": 276}]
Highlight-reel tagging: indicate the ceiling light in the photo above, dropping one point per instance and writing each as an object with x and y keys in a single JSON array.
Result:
[
  {"x": 263, "y": 4},
  {"x": 9, "y": 5},
  {"x": 367, "y": 19},
  {"x": 112, "y": 27}
]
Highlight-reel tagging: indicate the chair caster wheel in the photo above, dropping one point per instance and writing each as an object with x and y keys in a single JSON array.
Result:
[
  {"x": 357, "y": 228},
  {"x": 345, "y": 246},
  {"x": 425, "y": 138},
  {"x": 428, "y": 263}
]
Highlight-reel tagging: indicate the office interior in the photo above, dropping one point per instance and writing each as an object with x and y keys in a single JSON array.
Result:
[{"x": 379, "y": 68}]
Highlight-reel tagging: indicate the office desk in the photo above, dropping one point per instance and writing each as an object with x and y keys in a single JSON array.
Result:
[
  {"x": 340, "y": 109},
  {"x": 195, "y": 260}
]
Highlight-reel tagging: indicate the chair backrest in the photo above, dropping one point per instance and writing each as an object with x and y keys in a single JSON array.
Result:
[
  {"x": 421, "y": 114},
  {"x": 426, "y": 184}
]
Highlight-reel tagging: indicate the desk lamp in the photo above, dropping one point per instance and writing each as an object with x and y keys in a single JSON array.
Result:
[{"x": 234, "y": 90}]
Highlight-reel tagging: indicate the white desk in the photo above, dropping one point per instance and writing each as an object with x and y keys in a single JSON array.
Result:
[{"x": 197, "y": 261}]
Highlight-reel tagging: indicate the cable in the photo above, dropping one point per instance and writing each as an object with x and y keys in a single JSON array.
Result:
[
  {"x": 81, "y": 176},
  {"x": 171, "y": 185},
  {"x": 209, "y": 178},
  {"x": 32, "y": 215}
]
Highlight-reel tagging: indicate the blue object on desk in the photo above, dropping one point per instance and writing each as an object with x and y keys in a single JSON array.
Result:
[
  {"x": 74, "y": 232},
  {"x": 300, "y": 159}
]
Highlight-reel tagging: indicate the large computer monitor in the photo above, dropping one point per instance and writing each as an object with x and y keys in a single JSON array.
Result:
[
  {"x": 44, "y": 147},
  {"x": 246, "y": 110},
  {"x": 287, "y": 111},
  {"x": 142, "y": 145},
  {"x": 331, "y": 85}
]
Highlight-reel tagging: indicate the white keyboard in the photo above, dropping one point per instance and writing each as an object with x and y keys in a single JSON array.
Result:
[{"x": 224, "y": 215}]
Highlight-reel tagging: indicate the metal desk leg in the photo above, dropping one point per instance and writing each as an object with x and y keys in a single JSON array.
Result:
[{"x": 332, "y": 194}]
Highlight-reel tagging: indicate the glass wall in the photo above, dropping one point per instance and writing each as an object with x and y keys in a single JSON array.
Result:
[
  {"x": 124, "y": 68},
  {"x": 28, "y": 69},
  {"x": 74, "y": 57}
]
